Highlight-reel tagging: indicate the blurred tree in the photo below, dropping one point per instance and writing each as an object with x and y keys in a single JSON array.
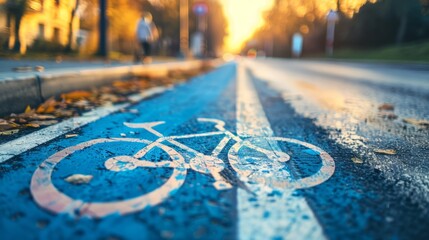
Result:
[
  {"x": 124, "y": 14},
  {"x": 72, "y": 18},
  {"x": 363, "y": 23},
  {"x": 403, "y": 11},
  {"x": 425, "y": 7},
  {"x": 123, "y": 17},
  {"x": 16, "y": 9},
  {"x": 387, "y": 22}
]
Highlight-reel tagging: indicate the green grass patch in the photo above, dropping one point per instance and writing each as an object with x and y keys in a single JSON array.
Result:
[{"x": 416, "y": 52}]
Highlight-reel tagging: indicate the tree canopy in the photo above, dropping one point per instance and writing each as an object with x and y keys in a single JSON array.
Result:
[{"x": 363, "y": 23}]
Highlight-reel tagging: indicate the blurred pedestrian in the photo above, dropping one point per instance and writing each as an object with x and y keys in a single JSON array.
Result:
[{"x": 146, "y": 34}]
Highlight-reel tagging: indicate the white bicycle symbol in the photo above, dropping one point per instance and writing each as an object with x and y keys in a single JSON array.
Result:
[{"x": 49, "y": 197}]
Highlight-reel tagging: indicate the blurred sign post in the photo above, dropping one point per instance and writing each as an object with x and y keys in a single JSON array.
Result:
[
  {"x": 184, "y": 28},
  {"x": 332, "y": 18},
  {"x": 297, "y": 42},
  {"x": 200, "y": 9}
]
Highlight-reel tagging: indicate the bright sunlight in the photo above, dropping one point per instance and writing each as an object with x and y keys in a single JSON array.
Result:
[{"x": 244, "y": 17}]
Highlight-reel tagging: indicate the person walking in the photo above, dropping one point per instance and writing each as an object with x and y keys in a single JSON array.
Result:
[{"x": 146, "y": 33}]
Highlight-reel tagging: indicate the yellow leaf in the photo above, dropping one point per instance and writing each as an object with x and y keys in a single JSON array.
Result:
[
  {"x": 9, "y": 132},
  {"x": 385, "y": 151},
  {"x": 79, "y": 179},
  {"x": 71, "y": 135},
  {"x": 357, "y": 160},
  {"x": 76, "y": 95},
  {"x": 27, "y": 109}
]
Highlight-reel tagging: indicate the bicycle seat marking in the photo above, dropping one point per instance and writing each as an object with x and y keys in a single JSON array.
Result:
[{"x": 47, "y": 195}]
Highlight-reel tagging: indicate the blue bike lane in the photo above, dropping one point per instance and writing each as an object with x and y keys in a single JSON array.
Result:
[
  {"x": 195, "y": 212},
  {"x": 343, "y": 206}
]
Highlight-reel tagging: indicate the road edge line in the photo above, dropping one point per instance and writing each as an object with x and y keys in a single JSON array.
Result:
[{"x": 25, "y": 143}]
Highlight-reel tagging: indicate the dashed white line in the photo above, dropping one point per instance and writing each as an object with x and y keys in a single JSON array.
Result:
[{"x": 262, "y": 216}]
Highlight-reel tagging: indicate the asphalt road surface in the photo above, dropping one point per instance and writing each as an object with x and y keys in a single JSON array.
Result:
[{"x": 256, "y": 149}]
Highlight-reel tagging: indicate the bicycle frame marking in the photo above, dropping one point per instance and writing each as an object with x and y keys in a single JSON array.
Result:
[{"x": 49, "y": 197}]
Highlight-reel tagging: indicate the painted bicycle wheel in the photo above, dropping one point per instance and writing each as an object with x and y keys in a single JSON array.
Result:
[
  {"x": 253, "y": 167},
  {"x": 50, "y": 198}
]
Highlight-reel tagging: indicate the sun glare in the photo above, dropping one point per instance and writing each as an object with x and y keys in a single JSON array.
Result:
[{"x": 244, "y": 17}]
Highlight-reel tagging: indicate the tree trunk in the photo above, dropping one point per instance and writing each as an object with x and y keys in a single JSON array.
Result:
[
  {"x": 8, "y": 25},
  {"x": 70, "y": 36},
  {"x": 17, "y": 45},
  {"x": 402, "y": 29}
]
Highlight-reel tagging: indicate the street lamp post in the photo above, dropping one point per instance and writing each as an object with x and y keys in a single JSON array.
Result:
[
  {"x": 102, "y": 47},
  {"x": 184, "y": 28}
]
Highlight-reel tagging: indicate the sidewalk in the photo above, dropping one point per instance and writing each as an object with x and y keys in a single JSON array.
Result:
[
  {"x": 18, "y": 69},
  {"x": 32, "y": 87}
]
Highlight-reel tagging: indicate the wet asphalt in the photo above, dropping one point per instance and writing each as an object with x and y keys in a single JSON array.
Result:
[{"x": 335, "y": 106}]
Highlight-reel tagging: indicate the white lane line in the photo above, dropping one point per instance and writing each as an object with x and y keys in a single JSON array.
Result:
[
  {"x": 263, "y": 216},
  {"x": 15, "y": 147}
]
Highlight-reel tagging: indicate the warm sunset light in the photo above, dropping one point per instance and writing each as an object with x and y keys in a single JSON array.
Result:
[{"x": 244, "y": 17}]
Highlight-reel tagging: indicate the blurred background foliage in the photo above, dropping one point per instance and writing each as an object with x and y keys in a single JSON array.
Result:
[
  {"x": 363, "y": 24},
  {"x": 395, "y": 26},
  {"x": 123, "y": 16}
]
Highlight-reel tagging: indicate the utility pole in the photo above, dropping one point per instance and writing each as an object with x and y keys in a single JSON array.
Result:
[
  {"x": 184, "y": 28},
  {"x": 332, "y": 19},
  {"x": 102, "y": 50}
]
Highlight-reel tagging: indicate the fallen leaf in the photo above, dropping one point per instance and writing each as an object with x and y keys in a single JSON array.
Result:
[
  {"x": 9, "y": 132},
  {"x": 48, "y": 106},
  {"x": 71, "y": 135},
  {"x": 357, "y": 160},
  {"x": 33, "y": 125},
  {"x": 386, "y": 107},
  {"x": 388, "y": 115},
  {"x": 42, "y": 117},
  {"x": 27, "y": 109},
  {"x": 416, "y": 122},
  {"x": 81, "y": 104},
  {"x": 45, "y": 123},
  {"x": 79, "y": 179},
  {"x": 385, "y": 151},
  {"x": 8, "y": 126},
  {"x": 64, "y": 113},
  {"x": 76, "y": 95}
]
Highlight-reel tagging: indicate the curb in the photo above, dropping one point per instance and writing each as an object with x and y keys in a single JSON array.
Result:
[{"x": 17, "y": 93}]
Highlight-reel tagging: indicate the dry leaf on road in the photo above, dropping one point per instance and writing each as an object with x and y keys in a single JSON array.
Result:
[
  {"x": 385, "y": 151},
  {"x": 9, "y": 132},
  {"x": 33, "y": 125},
  {"x": 79, "y": 179},
  {"x": 71, "y": 135},
  {"x": 45, "y": 123},
  {"x": 357, "y": 160},
  {"x": 386, "y": 107},
  {"x": 417, "y": 122}
]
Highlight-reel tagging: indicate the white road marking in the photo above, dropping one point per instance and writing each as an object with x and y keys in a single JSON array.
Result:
[
  {"x": 264, "y": 216},
  {"x": 15, "y": 147}
]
